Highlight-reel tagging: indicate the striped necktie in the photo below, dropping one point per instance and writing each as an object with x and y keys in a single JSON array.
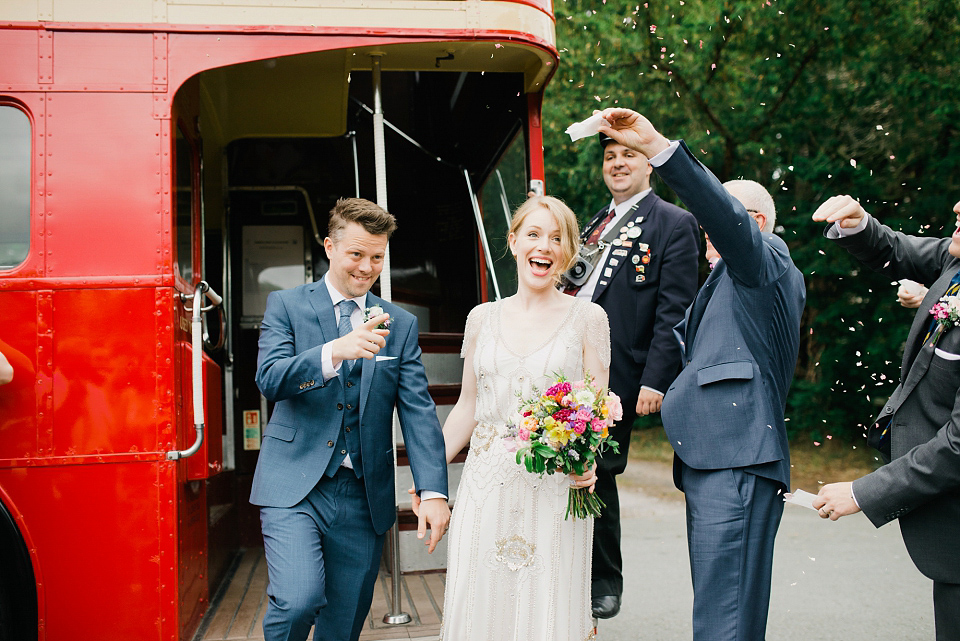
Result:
[{"x": 345, "y": 326}]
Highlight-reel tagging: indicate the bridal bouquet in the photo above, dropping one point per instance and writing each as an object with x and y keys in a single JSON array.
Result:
[{"x": 563, "y": 430}]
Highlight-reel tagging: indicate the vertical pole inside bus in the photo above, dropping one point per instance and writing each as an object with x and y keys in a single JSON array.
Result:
[{"x": 396, "y": 615}]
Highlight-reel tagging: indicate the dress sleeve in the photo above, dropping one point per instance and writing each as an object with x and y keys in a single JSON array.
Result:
[
  {"x": 474, "y": 320},
  {"x": 598, "y": 333}
]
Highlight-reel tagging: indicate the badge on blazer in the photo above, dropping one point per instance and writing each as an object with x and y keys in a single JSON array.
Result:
[
  {"x": 635, "y": 259},
  {"x": 620, "y": 252},
  {"x": 634, "y": 232},
  {"x": 641, "y": 278}
]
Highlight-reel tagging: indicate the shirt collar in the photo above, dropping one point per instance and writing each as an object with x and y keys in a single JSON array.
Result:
[
  {"x": 336, "y": 297},
  {"x": 625, "y": 206}
]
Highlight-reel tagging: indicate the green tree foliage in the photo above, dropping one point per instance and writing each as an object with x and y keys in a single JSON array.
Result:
[{"x": 811, "y": 99}]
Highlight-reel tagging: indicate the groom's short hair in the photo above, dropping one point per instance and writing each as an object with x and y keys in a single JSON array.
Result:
[{"x": 372, "y": 217}]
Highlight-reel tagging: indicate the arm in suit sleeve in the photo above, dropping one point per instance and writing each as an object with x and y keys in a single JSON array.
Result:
[
  {"x": 896, "y": 254},
  {"x": 281, "y": 372},
  {"x": 418, "y": 419},
  {"x": 734, "y": 234},
  {"x": 918, "y": 476},
  {"x": 678, "y": 286}
]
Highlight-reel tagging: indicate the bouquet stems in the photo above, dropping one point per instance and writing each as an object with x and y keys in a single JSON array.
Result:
[{"x": 581, "y": 504}]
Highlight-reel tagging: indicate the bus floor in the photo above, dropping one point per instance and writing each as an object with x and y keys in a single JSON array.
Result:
[{"x": 237, "y": 610}]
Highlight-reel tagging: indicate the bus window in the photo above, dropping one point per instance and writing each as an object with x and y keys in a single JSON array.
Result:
[
  {"x": 184, "y": 204},
  {"x": 504, "y": 191},
  {"x": 14, "y": 186}
]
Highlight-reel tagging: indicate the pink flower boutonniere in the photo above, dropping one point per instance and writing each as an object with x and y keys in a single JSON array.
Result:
[{"x": 947, "y": 312}]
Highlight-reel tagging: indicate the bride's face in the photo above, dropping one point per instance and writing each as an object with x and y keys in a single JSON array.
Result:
[{"x": 537, "y": 247}]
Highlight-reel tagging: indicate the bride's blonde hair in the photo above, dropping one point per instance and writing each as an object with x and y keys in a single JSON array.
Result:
[{"x": 567, "y": 221}]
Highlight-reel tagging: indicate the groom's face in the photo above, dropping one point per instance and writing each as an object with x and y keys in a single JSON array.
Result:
[{"x": 356, "y": 259}]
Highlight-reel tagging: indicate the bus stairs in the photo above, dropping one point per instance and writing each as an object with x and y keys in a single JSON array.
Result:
[{"x": 236, "y": 611}]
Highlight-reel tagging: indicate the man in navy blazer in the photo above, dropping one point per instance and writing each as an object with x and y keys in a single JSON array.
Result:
[
  {"x": 644, "y": 279},
  {"x": 324, "y": 480},
  {"x": 724, "y": 412},
  {"x": 918, "y": 431}
]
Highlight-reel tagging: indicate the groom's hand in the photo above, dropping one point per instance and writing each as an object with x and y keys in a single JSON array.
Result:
[
  {"x": 363, "y": 342},
  {"x": 434, "y": 513}
]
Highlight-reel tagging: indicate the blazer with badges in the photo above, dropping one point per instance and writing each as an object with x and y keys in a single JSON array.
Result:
[
  {"x": 645, "y": 284},
  {"x": 298, "y": 441},
  {"x": 920, "y": 486},
  {"x": 740, "y": 337}
]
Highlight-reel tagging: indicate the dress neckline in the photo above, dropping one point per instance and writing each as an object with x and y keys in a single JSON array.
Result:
[{"x": 549, "y": 339}]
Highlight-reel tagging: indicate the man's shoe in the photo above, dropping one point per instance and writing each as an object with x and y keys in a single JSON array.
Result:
[{"x": 605, "y": 607}]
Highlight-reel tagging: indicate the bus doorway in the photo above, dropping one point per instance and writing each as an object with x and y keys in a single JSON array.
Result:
[{"x": 272, "y": 174}]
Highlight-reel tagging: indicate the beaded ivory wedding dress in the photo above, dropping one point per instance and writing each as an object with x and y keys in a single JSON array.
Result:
[{"x": 516, "y": 570}]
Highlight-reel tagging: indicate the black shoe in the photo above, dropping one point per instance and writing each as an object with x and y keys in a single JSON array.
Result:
[{"x": 605, "y": 607}]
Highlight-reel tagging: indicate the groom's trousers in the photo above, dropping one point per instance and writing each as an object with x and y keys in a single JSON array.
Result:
[
  {"x": 322, "y": 560},
  {"x": 732, "y": 521}
]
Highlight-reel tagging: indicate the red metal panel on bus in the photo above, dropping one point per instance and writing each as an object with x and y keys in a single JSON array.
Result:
[
  {"x": 102, "y": 568},
  {"x": 105, "y": 382},
  {"x": 104, "y": 164},
  {"x": 95, "y": 59},
  {"x": 19, "y": 409},
  {"x": 18, "y": 51}
]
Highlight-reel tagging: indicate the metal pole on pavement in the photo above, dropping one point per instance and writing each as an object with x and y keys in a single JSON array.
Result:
[{"x": 396, "y": 615}]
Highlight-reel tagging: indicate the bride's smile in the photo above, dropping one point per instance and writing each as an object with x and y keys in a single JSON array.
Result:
[{"x": 537, "y": 247}]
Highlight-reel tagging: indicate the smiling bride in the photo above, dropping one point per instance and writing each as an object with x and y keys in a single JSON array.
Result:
[{"x": 517, "y": 568}]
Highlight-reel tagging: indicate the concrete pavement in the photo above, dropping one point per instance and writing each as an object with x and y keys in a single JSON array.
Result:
[{"x": 843, "y": 580}]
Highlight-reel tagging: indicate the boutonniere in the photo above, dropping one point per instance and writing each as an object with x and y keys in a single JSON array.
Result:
[
  {"x": 373, "y": 312},
  {"x": 947, "y": 312}
]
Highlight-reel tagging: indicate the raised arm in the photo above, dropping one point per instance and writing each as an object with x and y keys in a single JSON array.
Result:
[{"x": 732, "y": 230}]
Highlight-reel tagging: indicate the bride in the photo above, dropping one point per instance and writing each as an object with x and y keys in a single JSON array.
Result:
[{"x": 517, "y": 569}]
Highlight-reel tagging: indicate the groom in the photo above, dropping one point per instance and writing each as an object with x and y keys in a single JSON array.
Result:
[{"x": 324, "y": 480}]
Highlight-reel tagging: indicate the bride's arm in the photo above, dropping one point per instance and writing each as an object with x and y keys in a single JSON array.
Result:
[
  {"x": 459, "y": 425},
  {"x": 596, "y": 361}
]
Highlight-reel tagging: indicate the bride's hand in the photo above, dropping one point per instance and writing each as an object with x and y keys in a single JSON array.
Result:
[
  {"x": 588, "y": 479},
  {"x": 414, "y": 499}
]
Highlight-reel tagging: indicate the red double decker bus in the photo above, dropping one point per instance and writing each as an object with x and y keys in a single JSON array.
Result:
[{"x": 164, "y": 164}]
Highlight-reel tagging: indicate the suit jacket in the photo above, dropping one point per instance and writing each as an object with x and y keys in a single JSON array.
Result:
[
  {"x": 921, "y": 485},
  {"x": 298, "y": 441},
  {"x": 650, "y": 285},
  {"x": 740, "y": 337}
]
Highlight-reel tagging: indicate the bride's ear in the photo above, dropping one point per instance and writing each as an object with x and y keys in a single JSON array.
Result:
[{"x": 511, "y": 243}]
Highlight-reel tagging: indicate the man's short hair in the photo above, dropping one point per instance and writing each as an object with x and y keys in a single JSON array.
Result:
[
  {"x": 756, "y": 199},
  {"x": 372, "y": 217}
]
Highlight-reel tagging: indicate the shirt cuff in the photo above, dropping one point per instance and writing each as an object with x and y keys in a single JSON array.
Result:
[
  {"x": 666, "y": 154},
  {"x": 327, "y": 368},
  {"x": 854, "y": 497},
  {"x": 650, "y": 389},
  {"x": 430, "y": 494},
  {"x": 835, "y": 231}
]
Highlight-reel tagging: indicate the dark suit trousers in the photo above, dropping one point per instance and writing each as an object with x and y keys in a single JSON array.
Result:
[
  {"x": 732, "y": 520},
  {"x": 946, "y": 608},
  {"x": 607, "y": 571},
  {"x": 322, "y": 559}
]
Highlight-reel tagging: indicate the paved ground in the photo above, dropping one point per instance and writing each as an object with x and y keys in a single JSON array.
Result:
[{"x": 843, "y": 581}]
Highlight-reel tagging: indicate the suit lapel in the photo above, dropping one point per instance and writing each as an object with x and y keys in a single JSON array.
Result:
[
  {"x": 323, "y": 305},
  {"x": 699, "y": 307},
  {"x": 615, "y": 263},
  {"x": 366, "y": 374},
  {"x": 922, "y": 321}
]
